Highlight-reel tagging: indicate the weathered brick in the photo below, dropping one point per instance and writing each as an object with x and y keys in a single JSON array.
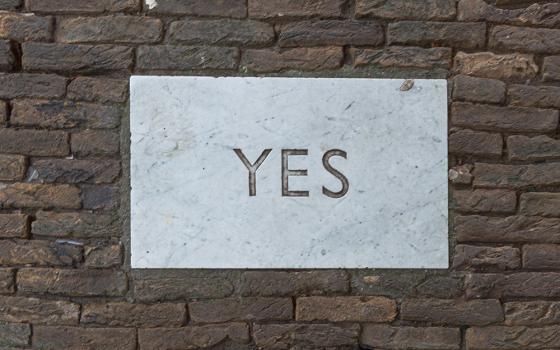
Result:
[
  {"x": 461, "y": 174},
  {"x": 295, "y": 8},
  {"x": 468, "y": 142},
  {"x": 472, "y": 89},
  {"x": 77, "y": 225},
  {"x": 459, "y": 35},
  {"x": 305, "y": 336},
  {"x": 7, "y": 281},
  {"x": 81, "y": 6},
  {"x": 541, "y": 256},
  {"x": 506, "y": 338},
  {"x": 215, "y": 8},
  {"x": 540, "y": 147},
  {"x": 545, "y": 15},
  {"x": 346, "y": 309},
  {"x": 306, "y": 59},
  {"x": 38, "y": 253},
  {"x": 516, "y": 119},
  {"x": 407, "y": 9},
  {"x": 551, "y": 68},
  {"x": 468, "y": 257},
  {"x": 76, "y": 58},
  {"x": 25, "y": 27},
  {"x": 484, "y": 201},
  {"x": 72, "y": 282},
  {"x": 389, "y": 337},
  {"x": 195, "y": 337},
  {"x": 32, "y": 85},
  {"x": 96, "y": 171},
  {"x": 23, "y": 195},
  {"x": 7, "y": 58},
  {"x": 115, "y": 29},
  {"x": 497, "y": 66},
  {"x": 241, "y": 309},
  {"x": 56, "y": 338},
  {"x": 475, "y": 228},
  {"x": 3, "y": 113},
  {"x": 100, "y": 256},
  {"x": 516, "y": 176},
  {"x": 15, "y": 334},
  {"x": 279, "y": 283},
  {"x": 12, "y": 167},
  {"x": 540, "y": 204},
  {"x": 220, "y": 32},
  {"x": 122, "y": 314},
  {"x": 532, "y": 313},
  {"x": 537, "y": 40},
  {"x": 64, "y": 114},
  {"x": 170, "y": 57},
  {"x": 34, "y": 142},
  {"x": 14, "y": 225},
  {"x": 331, "y": 32},
  {"x": 441, "y": 286},
  {"x": 452, "y": 311},
  {"x": 100, "y": 197},
  {"x": 522, "y": 284},
  {"x": 10, "y": 4},
  {"x": 98, "y": 90},
  {"x": 38, "y": 311},
  {"x": 95, "y": 143},
  {"x": 534, "y": 96},
  {"x": 404, "y": 57}
]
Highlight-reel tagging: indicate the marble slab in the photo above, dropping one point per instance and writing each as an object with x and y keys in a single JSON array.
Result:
[{"x": 352, "y": 173}]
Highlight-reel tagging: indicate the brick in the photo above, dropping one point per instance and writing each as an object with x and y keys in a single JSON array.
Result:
[
  {"x": 468, "y": 142},
  {"x": 214, "y": 8},
  {"x": 389, "y": 337},
  {"x": 25, "y": 27},
  {"x": 7, "y": 58},
  {"x": 305, "y": 336},
  {"x": 168, "y": 57},
  {"x": 331, "y": 32},
  {"x": 3, "y": 113},
  {"x": 98, "y": 90},
  {"x": 103, "y": 256},
  {"x": 72, "y": 282},
  {"x": 541, "y": 256},
  {"x": 34, "y": 142},
  {"x": 475, "y": 228},
  {"x": 534, "y": 96},
  {"x": 484, "y": 201},
  {"x": 32, "y": 85},
  {"x": 115, "y": 29},
  {"x": 100, "y": 197},
  {"x": 522, "y": 285},
  {"x": 472, "y": 89},
  {"x": 152, "y": 286},
  {"x": 540, "y": 204},
  {"x": 535, "y": 40},
  {"x": 241, "y": 309},
  {"x": 551, "y": 68},
  {"x": 407, "y": 9},
  {"x": 346, "y": 309},
  {"x": 12, "y": 167},
  {"x": 295, "y": 8},
  {"x": 7, "y": 281},
  {"x": 439, "y": 286},
  {"x": 55, "y": 338},
  {"x": 75, "y": 225},
  {"x": 92, "y": 143},
  {"x": 516, "y": 176},
  {"x": 15, "y": 334},
  {"x": 452, "y": 311},
  {"x": 304, "y": 59},
  {"x": 81, "y": 6},
  {"x": 459, "y": 35},
  {"x": 76, "y": 58},
  {"x": 96, "y": 171},
  {"x": 513, "y": 119},
  {"x": 14, "y": 225},
  {"x": 469, "y": 257},
  {"x": 532, "y": 313},
  {"x": 122, "y": 314},
  {"x": 461, "y": 174},
  {"x": 64, "y": 114},
  {"x": 195, "y": 337},
  {"x": 279, "y": 283},
  {"x": 499, "y": 337},
  {"x": 23, "y": 195},
  {"x": 545, "y": 15},
  {"x": 513, "y": 66},
  {"x": 10, "y": 4},
  {"x": 403, "y": 57},
  {"x": 38, "y": 311},
  {"x": 220, "y": 32},
  {"x": 540, "y": 147},
  {"x": 38, "y": 253}
]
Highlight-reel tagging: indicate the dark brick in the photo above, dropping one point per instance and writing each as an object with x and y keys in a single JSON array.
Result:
[
  {"x": 534, "y": 96},
  {"x": 34, "y": 142},
  {"x": 32, "y": 85},
  {"x": 38, "y": 253},
  {"x": 38, "y": 311},
  {"x": 186, "y": 57},
  {"x": 77, "y": 225},
  {"x": 76, "y": 58},
  {"x": 516, "y": 176},
  {"x": 452, "y": 311},
  {"x": 10, "y": 4},
  {"x": 461, "y": 174},
  {"x": 484, "y": 201},
  {"x": 438, "y": 286},
  {"x": 459, "y": 35},
  {"x": 407, "y": 9},
  {"x": 7, "y": 281},
  {"x": 81, "y": 6},
  {"x": 532, "y": 148},
  {"x": 23, "y": 195},
  {"x": 25, "y": 27},
  {"x": 331, "y": 32},
  {"x": 295, "y": 8},
  {"x": 389, "y": 337},
  {"x": 278, "y": 283},
  {"x": 12, "y": 167},
  {"x": 95, "y": 143},
  {"x": 98, "y": 90},
  {"x": 545, "y": 15},
  {"x": 305, "y": 59},
  {"x": 537, "y": 40},
  {"x": 515, "y": 119},
  {"x": 466, "y": 88},
  {"x": 195, "y": 337},
  {"x": 522, "y": 285},
  {"x": 3, "y": 113},
  {"x": 56, "y": 338},
  {"x": 305, "y": 336},
  {"x": 217, "y": 8},
  {"x": 404, "y": 57},
  {"x": 497, "y": 66},
  {"x": 15, "y": 334},
  {"x": 551, "y": 68},
  {"x": 469, "y": 257},
  {"x": 468, "y": 142},
  {"x": 241, "y": 309},
  {"x": 220, "y": 32},
  {"x": 122, "y": 314},
  {"x": 96, "y": 171},
  {"x": 346, "y": 309},
  {"x": 102, "y": 256},
  {"x": 532, "y": 313},
  {"x": 14, "y": 225},
  {"x": 7, "y": 58},
  {"x": 541, "y": 256},
  {"x": 100, "y": 197},
  {"x": 506, "y": 338},
  {"x": 540, "y": 204}
]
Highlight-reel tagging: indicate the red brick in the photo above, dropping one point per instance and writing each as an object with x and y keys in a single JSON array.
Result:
[
  {"x": 497, "y": 66},
  {"x": 452, "y": 311},
  {"x": 532, "y": 313},
  {"x": 541, "y": 256},
  {"x": 305, "y": 59},
  {"x": 23, "y": 195},
  {"x": 331, "y": 32},
  {"x": 346, "y": 309},
  {"x": 295, "y": 8},
  {"x": 468, "y": 142},
  {"x": 220, "y": 32},
  {"x": 56, "y": 338},
  {"x": 516, "y": 176},
  {"x": 517, "y": 285},
  {"x": 12, "y": 167},
  {"x": 407, "y": 9},
  {"x": 481, "y": 201},
  {"x": 540, "y": 204},
  {"x": 389, "y": 337},
  {"x": 404, "y": 57},
  {"x": 458, "y": 35},
  {"x": 241, "y": 309},
  {"x": 506, "y": 338},
  {"x": 472, "y": 89},
  {"x": 470, "y": 257},
  {"x": 122, "y": 314},
  {"x": 38, "y": 311},
  {"x": 229, "y": 335}
]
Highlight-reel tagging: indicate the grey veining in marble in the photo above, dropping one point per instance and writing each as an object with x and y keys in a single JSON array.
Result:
[{"x": 190, "y": 202}]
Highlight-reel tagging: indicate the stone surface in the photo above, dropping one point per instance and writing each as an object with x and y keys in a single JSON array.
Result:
[
  {"x": 540, "y": 204},
  {"x": 186, "y": 57},
  {"x": 55, "y": 338},
  {"x": 220, "y": 32},
  {"x": 346, "y": 309},
  {"x": 269, "y": 283},
  {"x": 465, "y": 35},
  {"x": 22, "y": 195},
  {"x": 7, "y": 58},
  {"x": 243, "y": 309},
  {"x": 516, "y": 176},
  {"x": 98, "y": 89},
  {"x": 134, "y": 315},
  {"x": 331, "y": 32},
  {"x": 533, "y": 40},
  {"x": 499, "y": 337},
  {"x": 461, "y": 174},
  {"x": 15, "y": 334},
  {"x": 535, "y": 148},
  {"x": 305, "y": 336},
  {"x": 229, "y": 335},
  {"x": 34, "y": 142},
  {"x": 551, "y": 68},
  {"x": 95, "y": 143},
  {"x": 468, "y": 142},
  {"x": 38, "y": 253},
  {"x": 497, "y": 66},
  {"x": 101, "y": 256},
  {"x": 117, "y": 29},
  {"x": 305, "y": 220},
  {"x": 404, "y": 57},
  {"x": 7, "y": 281},
  {"x": 472, "y": 89},
  {"x": 214, "y": 8},
  {"x": 14, "y": 225},
  {"x": 481, "y": 201},
  {"x": 532, "y": 313},
  {"x": 307, "y": 59},
  {"x": 12, "y": 167},
  {"x": 517, "y": 285},
  {"x": 388, "y": 337},
  {"x": 452, "y": 312},
  {"x": 100, "y": 197},
  {"x": 81, "y": 6},
  {"x": 18, "y": 85},
  {"x": 75, "y": 170},
  {"x": 470, "y": 257},
  {"x": 534, "y": 96},
  {"x": 25, "y": 27},
  {"x": 541, "y": 256},
  {"x": 407, "y": 9},
  {"x": 295, "y": 8},
  {"x": 546, "y": 15},
  {"x": 77, "y": 225},
  {"x": 38, "y": 311}
]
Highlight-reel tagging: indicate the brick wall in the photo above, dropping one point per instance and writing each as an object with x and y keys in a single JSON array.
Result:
[{"x": 65, "y": 281}]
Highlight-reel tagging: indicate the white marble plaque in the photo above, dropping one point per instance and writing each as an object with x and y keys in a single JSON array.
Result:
[{"x": 348, "y": 173}]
